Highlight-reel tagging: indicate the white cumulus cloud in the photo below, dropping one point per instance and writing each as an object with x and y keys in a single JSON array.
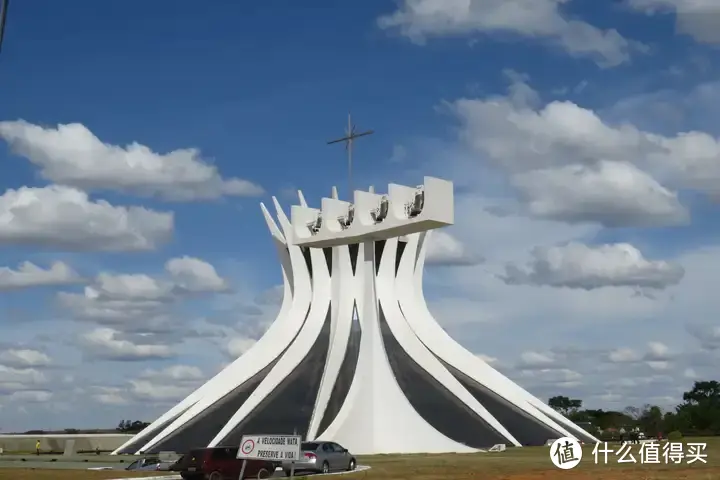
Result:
[
  {"x": 30, "y": 275},
  {"x": 24, "y": 358},
  {"x": 445, "y": 249},
  {"x": 696, "y": 18},
  {"x": 108, "y": 344},
  {"x": 535, "y": 19},
  {"x": 64, "y": 217},
  {"x": 576, "y": 265},
  {"x": 72, "y": 155},
  {"x": 113, "y": 299},
  {"x": 570, "y": 164},
  {"x": 195, "y": 275},
  {"x": 614, "y": 194}
]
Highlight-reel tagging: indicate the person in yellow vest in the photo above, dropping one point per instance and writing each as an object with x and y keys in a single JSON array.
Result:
[{"x": 37, "y": 447}]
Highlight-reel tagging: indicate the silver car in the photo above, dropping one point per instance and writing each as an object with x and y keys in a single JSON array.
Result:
[{"x": 322, "y": 457}]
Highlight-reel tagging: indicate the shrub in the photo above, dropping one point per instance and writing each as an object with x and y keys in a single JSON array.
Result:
[{"x": 674, "y": 436}]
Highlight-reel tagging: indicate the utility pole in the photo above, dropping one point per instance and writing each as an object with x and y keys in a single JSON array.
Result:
[
  {"x": 3, "y": 17},
  {"x": 349, "y": 137}
]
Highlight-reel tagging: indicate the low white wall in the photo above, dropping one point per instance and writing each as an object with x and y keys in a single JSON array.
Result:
[{"x": 56, "y": 443}]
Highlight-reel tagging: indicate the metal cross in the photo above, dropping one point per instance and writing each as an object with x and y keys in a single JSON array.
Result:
[{"x": 349, "y": 137}]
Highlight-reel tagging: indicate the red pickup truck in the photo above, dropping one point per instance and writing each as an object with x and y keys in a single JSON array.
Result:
[{"x": 220, "y": 463}]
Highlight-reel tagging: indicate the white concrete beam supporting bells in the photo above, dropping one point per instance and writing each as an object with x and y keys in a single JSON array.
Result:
[
  {"x": 371, "y": 216},
  {"x": 354, "y": 355}
]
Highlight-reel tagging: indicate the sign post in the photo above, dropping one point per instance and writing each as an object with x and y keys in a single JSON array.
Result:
[
  {"x": 242, "y": 470},
  {"x": 274, "y": 448}
]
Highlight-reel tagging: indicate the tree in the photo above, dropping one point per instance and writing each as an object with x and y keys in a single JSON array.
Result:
[
  {"x": 122, "y": 426},
  {"x": 676, "y": 421},
  {"x": 633, "y": 412},
  {"x": 701, "y": 407},
  {"x": 605, "y": 419},
  {"x": 565, "y": 405},
  {"x": 651, "y": 420},
  {"x": 698, "y": 414},
  {"x": 135, "y": 426},
  {"x": 707, "y": 391}
]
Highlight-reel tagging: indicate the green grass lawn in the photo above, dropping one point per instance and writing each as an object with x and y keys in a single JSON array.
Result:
[
  {"x": 534, "y": 462},
  {"x": 529, "y": 463}
]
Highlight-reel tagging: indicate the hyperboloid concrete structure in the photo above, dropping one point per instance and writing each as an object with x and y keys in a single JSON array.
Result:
[{"x": 354, "y": 355}]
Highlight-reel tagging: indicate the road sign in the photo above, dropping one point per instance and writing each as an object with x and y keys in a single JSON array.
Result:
[{"x": 270, "y": 447}]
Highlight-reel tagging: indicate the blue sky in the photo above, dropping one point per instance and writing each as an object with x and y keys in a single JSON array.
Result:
[{"x": 565, "y": 128}]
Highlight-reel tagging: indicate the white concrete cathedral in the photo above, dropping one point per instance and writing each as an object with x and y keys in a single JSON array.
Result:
[{"x": 354, "y": 355}]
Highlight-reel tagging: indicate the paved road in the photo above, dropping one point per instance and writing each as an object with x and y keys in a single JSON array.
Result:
[
  {"x": 62, "y": 458},
  {"x": 56, "y": 465}
]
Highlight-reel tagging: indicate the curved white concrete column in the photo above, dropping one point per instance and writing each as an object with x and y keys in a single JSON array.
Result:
[{"x": 375, "y": 415}]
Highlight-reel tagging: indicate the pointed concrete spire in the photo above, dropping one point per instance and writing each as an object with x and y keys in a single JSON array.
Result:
[{"x": 303, "y": 203}]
